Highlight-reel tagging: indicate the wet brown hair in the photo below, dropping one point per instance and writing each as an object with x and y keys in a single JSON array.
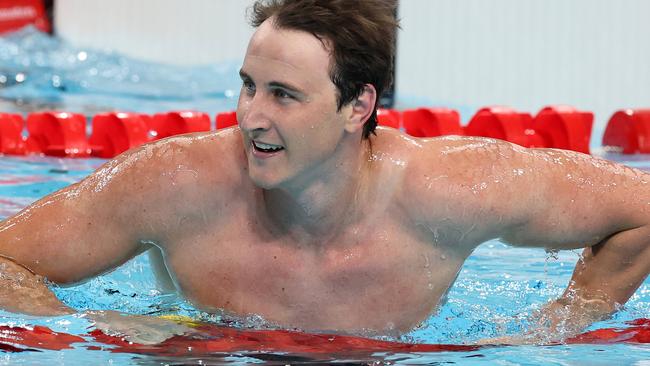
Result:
[{"x": 359, "y": 33}]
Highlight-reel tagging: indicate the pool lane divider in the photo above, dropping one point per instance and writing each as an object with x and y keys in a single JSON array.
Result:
[
  {"x": 65, "y": 134},
  {"x": 559, "y": 127},
  {"x": 207, "y": 339}
]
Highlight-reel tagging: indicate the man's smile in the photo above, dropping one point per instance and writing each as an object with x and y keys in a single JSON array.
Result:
[{"x": 266, "y": 149}]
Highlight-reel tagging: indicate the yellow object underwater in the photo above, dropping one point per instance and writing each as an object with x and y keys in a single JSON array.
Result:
[{"x": 181, "y": 319}]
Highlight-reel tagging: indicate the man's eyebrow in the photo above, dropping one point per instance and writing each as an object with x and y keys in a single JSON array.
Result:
[
  {"x": 273, "y": 84},
  {"x": 277, "y": 84}
]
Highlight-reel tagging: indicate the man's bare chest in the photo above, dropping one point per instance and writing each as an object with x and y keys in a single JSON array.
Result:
[{"x": 378, "y": 276}]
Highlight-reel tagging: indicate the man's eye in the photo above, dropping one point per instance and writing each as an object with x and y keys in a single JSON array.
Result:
[
  {"x": 249, "y": 87},
  {"x": 282, "y": 94}
]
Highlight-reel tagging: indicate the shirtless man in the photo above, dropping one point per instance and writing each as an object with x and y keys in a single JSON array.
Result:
[{"x": 305, "y": 216}]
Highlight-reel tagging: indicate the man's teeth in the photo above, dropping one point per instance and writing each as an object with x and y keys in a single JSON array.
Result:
[{"x": 266, "y": 147}]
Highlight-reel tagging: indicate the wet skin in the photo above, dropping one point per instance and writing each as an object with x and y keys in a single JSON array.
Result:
[{"x": 332, "y": 232}]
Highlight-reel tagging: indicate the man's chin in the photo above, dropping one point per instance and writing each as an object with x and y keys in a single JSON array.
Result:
[{"x": 264, "y": 182}]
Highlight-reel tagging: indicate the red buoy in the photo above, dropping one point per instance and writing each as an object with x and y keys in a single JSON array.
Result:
[
  {"x": 431, "y": 122},
  {"x": 57, "y": 134},
  {"x": 389, "y": 118},
  {"x": 11, "y": 129},
  {"x": 628, "y": 132},
  {"x": 565, "y": 127},
  {"x": 178, "y": 122},
  {"x": 226, "y": 119},
  {"x": 505, "y": 124},
  {"x": 114, "y": 133}
]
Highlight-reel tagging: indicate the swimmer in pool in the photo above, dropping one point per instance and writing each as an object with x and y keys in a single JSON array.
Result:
[{"x": 310, "y": 217}]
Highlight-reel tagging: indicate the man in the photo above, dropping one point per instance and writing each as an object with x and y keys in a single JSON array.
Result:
[{"x": 308, "y": 217}]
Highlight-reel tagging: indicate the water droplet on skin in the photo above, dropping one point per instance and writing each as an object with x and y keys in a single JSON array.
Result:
[
  {"x": 443, "y": 257},
  {"x": 427, "y": 264}
]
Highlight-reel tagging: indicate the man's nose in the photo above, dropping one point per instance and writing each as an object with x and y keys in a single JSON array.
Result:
[{"x": 253, "y": 114}]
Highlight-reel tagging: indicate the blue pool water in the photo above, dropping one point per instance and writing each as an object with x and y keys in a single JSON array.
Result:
[
  {"x": 39, "y": 72},
  {"x": 497, "y": 289}
]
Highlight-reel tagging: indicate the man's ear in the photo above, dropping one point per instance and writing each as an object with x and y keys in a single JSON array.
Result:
[{"x": 362, "y": 108}]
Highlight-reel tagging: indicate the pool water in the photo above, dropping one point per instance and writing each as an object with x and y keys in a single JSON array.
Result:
[
  {"x": 40, "y": 72},
  {"x": 498, "y": 287}
]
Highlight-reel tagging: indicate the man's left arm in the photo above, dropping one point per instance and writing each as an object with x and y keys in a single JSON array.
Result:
[
  {"x": 553, "y": 199},
  {"x": 604, "y": 207}
]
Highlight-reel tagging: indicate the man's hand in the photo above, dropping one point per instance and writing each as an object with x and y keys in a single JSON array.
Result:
[
  {"x": 569, "y": 315},
  {"x": 22, "y": 291},
  {"x": 559, "y": 320},
  {"x": 146, "y": 330},
  {"x": 605, "y": 277}
]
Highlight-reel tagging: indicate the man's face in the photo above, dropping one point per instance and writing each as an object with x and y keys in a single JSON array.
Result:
[{"x": 287, "y": 107}]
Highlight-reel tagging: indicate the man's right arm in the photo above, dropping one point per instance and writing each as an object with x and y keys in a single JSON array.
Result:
[{"x": 79, "y": 232}]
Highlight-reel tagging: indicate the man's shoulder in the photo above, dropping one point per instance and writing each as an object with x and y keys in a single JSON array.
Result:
[
  {"x": 184, "y": 163},
  {"x": 451, "y": 181},
  {"x": 221, "y": 150},
  {"x": 188, "y": 172},
  {"x": 424, "y": 156},
  {"x": 455, "y": 158}
]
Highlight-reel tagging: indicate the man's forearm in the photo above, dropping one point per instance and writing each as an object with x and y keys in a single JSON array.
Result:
[
  {"x": 612, "y": 270},
  {"x": 605, "y": 277},
  {"x": 22, "y": 291}
]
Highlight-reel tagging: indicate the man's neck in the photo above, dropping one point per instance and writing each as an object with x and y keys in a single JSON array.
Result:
[{"x": 322, "y": 206}]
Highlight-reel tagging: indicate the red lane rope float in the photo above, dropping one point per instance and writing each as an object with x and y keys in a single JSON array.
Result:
[
  {"x": 11, "y": 128},
  {"x": 38, "y": 336},
  {"x": 64, "y": 134},
  {"x": 628, "y": 132},
  {"x": 15, "y": 14},
  {"x": 505, "y": 124},
  {"x": 178, "y": 122},
  {"x": 57, "y": 134},
  {"x": 114, "y": 133},
  {"x": 226, "y": 119},
  {"x": 389, "y": 118},
  {"x": 431, "y": 122},
  {"x": 209, "y": 339},
  {"x": 637, "y": 332},
  {"x": 565, "y": 127}
]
